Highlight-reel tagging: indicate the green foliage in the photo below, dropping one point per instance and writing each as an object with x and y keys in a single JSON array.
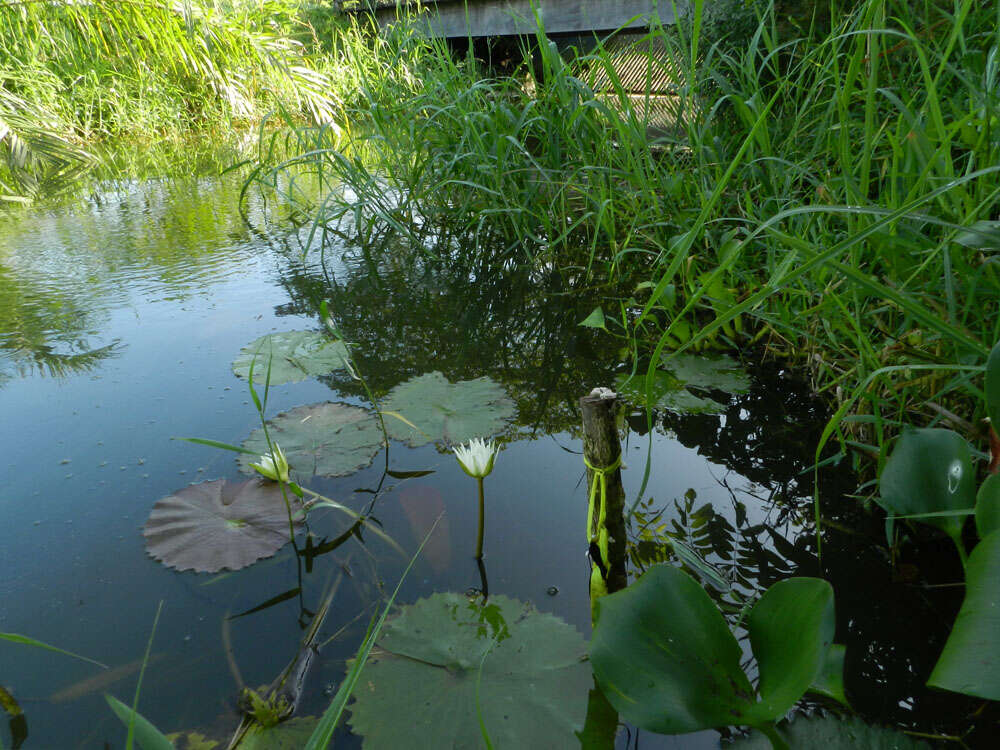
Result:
[
  {"x": 667, "y": 661},
  {"x": 74, "y": 72},
  {"x": 291, "y": 356},
  {"x": 146, "y": 735},
  {"x": 970, "y": 662},
  {"x": 832, "y": 733},
  {"x": 523, "y": 671}
]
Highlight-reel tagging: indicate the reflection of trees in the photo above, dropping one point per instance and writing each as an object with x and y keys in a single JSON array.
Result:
[{"x": 409, "y": 314}]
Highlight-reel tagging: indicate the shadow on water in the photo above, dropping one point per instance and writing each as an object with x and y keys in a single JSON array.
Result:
[{"x": 736, "y": 487}]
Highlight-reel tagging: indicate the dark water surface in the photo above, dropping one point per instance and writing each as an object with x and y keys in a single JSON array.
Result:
[{"x": 119, "y": 319}]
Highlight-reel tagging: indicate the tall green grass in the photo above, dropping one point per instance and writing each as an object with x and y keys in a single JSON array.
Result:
[
  {"x": 72, "y": 73},
  {"x": 829, "y": 193}
]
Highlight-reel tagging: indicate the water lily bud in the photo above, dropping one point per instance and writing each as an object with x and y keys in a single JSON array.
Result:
[{"x": 476, "y": 458}]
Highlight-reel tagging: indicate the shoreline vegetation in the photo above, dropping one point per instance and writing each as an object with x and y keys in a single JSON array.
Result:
[{"x": 829, "y": 196}]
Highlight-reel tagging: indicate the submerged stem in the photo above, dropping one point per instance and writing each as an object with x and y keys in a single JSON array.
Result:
[{"x": 482, "y": 514}]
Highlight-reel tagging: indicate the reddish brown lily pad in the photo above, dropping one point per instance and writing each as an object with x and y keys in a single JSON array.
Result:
[{"x": 220, "y": 524}]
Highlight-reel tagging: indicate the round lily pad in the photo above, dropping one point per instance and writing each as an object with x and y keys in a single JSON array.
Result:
[
  {"x": 294, "y": 356},
  {"x": 710, "y": 371},
  {"x": 328, "y": 439},
  {"x": 437, "y": 409},
  {"x": 220, "y": 524},
  {"x": 420, "y": 688}
]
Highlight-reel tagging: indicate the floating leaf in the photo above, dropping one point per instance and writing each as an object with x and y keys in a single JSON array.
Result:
[
  {"x": 327, "y": 439},
  {"x": 668, "y": 393},
  {"x": 220, "y": 524},
  {"x": 709, "y": 371},
  {"x": 667, "y": 661},
  {"x": 832, "y": 733},
  {"x": 930, "y": 471},
  {"x": 446, "y": 657},
  {"x": 288, "y": 735},
  {"x": 435, "y": 409},
  {"x": 293, "y": 355},
  {"x": 970, "y": 662}
]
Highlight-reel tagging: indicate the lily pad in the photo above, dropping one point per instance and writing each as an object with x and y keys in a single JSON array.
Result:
[
  {"x": 440, "y": 410},
  {"x": 220, "y": 524},
  {"x": 668, "y": 393},
  {"x": 326, "y": 439},
  {"x": 710, "y": 371},
  {"x": 445, "y": 656},
  {"x": 294, "y": 356}
]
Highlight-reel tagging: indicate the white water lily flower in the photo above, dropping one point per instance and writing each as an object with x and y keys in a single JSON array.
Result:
[
  {"x": 476, "y": 459},
  {"x": 273, "y": 465}
]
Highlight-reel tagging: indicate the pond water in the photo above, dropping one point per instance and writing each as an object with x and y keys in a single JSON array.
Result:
[{"x": 120, "y": 317}]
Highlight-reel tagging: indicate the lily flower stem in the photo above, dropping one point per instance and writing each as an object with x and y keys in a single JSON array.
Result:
[{"x": 482, "y": 517}]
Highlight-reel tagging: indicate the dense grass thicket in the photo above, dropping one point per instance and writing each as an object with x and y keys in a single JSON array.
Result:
[
  {"x": 831, "y": 192},
  {"x": 73, "y": 74}
]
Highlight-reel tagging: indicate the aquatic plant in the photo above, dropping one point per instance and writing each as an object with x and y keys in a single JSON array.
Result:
[
  {"x": 666, "y": 659},
  {"x": 476, "y": 460}
]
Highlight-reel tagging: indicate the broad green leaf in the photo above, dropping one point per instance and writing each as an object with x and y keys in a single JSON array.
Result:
[
  {"x": 664, "y": 657},
  {"x": 791, "y": 630},
  {"x": 436, "y": 409},
  {"x": 988, "y": 506},
  {"x": 220, "y": 524},
  {"x": 970, "y": 662},
  {"x": 832, "y": 733},
  {"x": 710, "y": 371},
  {"x": 983, "y": 235},
  {"x": 445, "y": 654},
  {"x": 993, "y": 387},
  {"x": 929, "y": 471},
  {"x": 288, "y": 735},
  {"x": 830, "y": 680},
  {"x": 293, "y": 355},
  {"x": 328, "y": 439},
  {"x": 147, "y": 735},
  {"x": 595, "y": 319}
]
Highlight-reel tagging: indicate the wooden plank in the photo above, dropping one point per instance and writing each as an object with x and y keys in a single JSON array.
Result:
[{"x": 514, "y": 17}]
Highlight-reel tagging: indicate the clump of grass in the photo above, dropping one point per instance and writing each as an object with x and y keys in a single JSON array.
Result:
[
  {"x": 829, "y": 192},
  {"x": 72, "y": 73}
]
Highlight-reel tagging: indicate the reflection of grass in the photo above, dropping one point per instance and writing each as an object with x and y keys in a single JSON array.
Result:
[{"x": 815, "y": 198}]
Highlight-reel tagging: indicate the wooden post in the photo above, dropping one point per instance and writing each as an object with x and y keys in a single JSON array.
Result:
[{"x": 602, "y": 448}]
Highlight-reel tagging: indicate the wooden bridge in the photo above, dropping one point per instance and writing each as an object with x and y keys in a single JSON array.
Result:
[
  {"x": 641, "y": 65},
  {"x": 489, "y": 18}
]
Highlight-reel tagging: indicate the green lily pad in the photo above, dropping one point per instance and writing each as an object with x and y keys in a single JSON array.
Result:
[
  {"x": 930, "y": 471},
  {"x": 220, "y": 524},
  {"x": 832, "y": 733},
  {"x": 668, "y": 393},
  {"x": 667, "y": 661},
  {"x": 326, "y": 439},
  {"x": 440, "y": 410},
  {"x": 420, "y": 688},
  {"x": 711, "y": 371},
  {"x": 294, "y": 356},
  {"x": 970, "y": 662}
]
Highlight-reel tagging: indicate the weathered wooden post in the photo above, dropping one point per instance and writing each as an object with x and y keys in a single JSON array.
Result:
[{"x": 602, "y": 453}]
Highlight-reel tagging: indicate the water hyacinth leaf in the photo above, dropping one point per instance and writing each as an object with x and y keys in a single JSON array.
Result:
[
  {"x": 436, "y": 409},
  {"x": 710, "y": 371},
  {"x": 326, "y": 439},
  {"x": 832, "y": 733},
  {"x": 970, "y": 662},
  {"x": 663, "y": 655},
  {"x": 988, "y": 506},
  {"x": 219, "y": 524},
  {"x": 533, "y": 681},
  {"x": 993, "y": 387},
  {"x": 791, "y": 631},
  {"x": 929, "y": 471},
  {"x": 293, "y": 356},
  {"x": 830, "y": 680}
]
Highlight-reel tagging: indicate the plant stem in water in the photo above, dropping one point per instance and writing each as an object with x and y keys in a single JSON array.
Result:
[{"x": 482, "y": 515}]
